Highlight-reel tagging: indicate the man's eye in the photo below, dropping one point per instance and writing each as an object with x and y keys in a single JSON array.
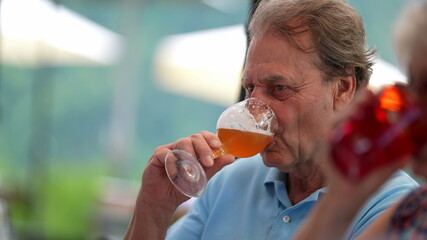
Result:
[
  {"x": 279, "y": 87},
  {"x": 249, "y": 88},
  {"x": 282, "y": 92}
]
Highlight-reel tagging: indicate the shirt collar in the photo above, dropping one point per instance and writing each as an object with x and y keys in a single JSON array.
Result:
[
  {"x": 274, "y": 175},
  {"x": 276, "y": 180}
]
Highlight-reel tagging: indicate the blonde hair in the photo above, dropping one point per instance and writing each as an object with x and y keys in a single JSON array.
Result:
[
  {"x": 336, "y": 28},
  {"x": 410, "y": 31}
]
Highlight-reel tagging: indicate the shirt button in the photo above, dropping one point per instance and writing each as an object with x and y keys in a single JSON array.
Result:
[{"x": 286, "y": 219}]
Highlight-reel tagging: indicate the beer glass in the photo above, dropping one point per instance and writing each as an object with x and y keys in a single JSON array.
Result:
[{"x": 244, "y": 130}]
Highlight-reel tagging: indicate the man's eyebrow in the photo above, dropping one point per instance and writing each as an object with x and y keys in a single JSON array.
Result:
[
  {"x": 274, "y": 78},
  {"x": 267, "y": 79}
]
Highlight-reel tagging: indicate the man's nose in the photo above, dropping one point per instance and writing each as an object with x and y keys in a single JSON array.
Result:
[{"x": 259, "y": 93}]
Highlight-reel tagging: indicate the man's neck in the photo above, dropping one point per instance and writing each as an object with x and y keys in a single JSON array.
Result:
[{"x": 302, "y": 183}]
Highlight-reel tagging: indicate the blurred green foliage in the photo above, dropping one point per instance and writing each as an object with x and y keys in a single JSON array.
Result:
[
  {"x": 55, "y": 120},
  {"x": 61, "y": 204}
]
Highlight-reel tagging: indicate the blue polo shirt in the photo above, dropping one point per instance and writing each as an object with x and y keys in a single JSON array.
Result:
[{"x": 247, "y": 200}]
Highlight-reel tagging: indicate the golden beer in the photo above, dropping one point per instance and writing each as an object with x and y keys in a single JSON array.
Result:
[{"x": 242, "y": 143}]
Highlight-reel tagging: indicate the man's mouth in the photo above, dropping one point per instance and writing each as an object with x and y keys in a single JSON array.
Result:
[{"x": 270, "y": 145}]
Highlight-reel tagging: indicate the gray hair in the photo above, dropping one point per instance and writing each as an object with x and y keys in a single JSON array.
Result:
[
  {"x": 336, "y": 28},
  {"x": 410, "y": 31}
]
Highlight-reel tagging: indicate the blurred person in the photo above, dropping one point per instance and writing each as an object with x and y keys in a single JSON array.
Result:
[
  {"x": 406, "y": 219},
  {"x": 306, "y": 60}
]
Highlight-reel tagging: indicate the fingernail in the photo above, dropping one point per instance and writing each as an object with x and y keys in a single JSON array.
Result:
[{"x": 209, "y": 161}]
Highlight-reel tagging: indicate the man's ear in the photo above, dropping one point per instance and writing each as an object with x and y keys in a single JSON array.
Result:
[{"x": 344, "y": 92}]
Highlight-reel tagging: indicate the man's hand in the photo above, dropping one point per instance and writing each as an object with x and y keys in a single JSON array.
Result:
[{"x": 158, "y": 198}]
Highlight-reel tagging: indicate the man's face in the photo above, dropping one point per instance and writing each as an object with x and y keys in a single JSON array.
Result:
[{"x": 287, "y": 79}]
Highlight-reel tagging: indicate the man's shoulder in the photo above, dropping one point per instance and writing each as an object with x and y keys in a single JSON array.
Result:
[
  {"x": 400, "y": 180},
  {"x": 397, "y": 186}
]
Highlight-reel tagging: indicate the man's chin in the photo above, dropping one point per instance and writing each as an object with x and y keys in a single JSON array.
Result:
[{"x": 273, "y": 159}]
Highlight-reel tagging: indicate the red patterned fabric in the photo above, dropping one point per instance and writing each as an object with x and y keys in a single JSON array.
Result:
[{"x": 409, "y": 221}]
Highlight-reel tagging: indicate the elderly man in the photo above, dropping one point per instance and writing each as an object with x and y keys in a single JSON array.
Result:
[{"x": 306, "y": 60}]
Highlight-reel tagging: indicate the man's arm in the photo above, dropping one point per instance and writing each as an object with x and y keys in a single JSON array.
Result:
[
  {"x": 157, "y": 198},
  {"x": 149, "y": 221}
]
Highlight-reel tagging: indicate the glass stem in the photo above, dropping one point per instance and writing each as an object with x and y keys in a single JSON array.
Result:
[{"x": 218, "y": 153}]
